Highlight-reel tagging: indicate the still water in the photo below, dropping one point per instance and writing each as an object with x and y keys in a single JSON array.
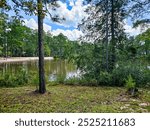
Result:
[{"x": 53, "y": 68}]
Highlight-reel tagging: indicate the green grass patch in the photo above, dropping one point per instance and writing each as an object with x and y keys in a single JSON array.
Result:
[{"x": 62, "y": 98}]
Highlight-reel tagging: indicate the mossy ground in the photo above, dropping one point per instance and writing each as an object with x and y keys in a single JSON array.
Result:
[{"x": 63, "y": 98}]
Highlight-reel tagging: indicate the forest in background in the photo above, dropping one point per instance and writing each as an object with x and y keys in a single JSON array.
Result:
[
  {"x": 105, "y": 55},
  {"x": 114, "y": 66},
  {"x": 18, "y": 40}
]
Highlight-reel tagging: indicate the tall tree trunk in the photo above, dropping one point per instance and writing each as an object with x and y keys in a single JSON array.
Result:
[
  {"x": 113, "y": 57},
  {"x": 42, "y": 88},
  {"x": 107, "y": 6}
]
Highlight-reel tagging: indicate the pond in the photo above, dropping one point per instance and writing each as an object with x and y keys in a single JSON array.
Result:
[{"x": 53, "y": 68}]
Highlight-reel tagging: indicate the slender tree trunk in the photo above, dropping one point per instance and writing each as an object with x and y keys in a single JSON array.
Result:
[
  {"x": 42, "y": 88},
  {"x": 112, "y": 36},
  {"x": 107, "y": 36}
]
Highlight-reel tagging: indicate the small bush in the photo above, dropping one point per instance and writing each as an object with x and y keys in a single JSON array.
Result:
[
  {"x": 138, "y": 72},
  {"x": 130, "y": 83},
  {"x": 72, "y": 81},
  {"x": 131, "y": 86},
  {"x": 14, "y": 80},
  {"x": 34, "y": 79},
  {"x": 60, "y": 79},
  {"x": 105, "y": 78}
]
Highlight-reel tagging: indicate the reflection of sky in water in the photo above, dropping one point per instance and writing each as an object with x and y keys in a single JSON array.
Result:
[
  {"x": 53, "y": 68},
  {"x": 53, "y": 77},
  {"x": 73, "y": 74}
]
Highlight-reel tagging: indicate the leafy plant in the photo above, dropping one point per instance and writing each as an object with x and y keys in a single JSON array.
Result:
[
  {"x": 130, "y": 84},
  {"x": 14, "y": 80},
  {"x": 105, "y": 78}
]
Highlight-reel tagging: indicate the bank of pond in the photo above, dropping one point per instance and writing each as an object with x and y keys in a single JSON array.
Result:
[{"x": 59, "y": 71}]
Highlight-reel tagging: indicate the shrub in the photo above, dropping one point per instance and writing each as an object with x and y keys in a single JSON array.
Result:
[
  {"x": 105, "y": 78},
  {"x": 60, "y": 79},
  {"x": 34, "y": 79},
  {"x": 22, "y": 77},
  {"x": 14, "y": 80},
  {"x": 72, "y": 81},
  {"x": 130, "y": 83},
  {"x": 131, "y": 86},
  {"x": 138, "y": 72}
]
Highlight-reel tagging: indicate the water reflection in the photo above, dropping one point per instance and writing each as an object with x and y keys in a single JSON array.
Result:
[{"x": 53, "y": 68}]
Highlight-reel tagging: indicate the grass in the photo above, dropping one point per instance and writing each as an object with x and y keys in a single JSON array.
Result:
[{"x": 63, "y": 98}]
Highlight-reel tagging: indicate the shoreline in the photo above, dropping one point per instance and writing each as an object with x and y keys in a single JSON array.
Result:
[{"x": 21, "y": 59}]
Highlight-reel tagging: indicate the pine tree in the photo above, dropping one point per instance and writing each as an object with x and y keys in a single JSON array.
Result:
[
  {"x": 105, "y": 24},
  {"x": 139, "y": 9}
]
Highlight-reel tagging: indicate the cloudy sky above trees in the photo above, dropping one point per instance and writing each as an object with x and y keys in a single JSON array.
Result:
[{"x": 73, "y": 12}]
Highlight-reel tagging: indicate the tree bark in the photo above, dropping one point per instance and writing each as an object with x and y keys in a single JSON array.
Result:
[
  {"x": 113, "y": 55},
  {"x": 107, "y": 35},
  {"x": 42, "y": 88}
]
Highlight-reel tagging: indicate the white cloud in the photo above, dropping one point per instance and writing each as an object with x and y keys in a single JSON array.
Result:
[
  {"x": 134, "y": 31},
  {"x": 47, "y": 28},
  {"x": 31, "y": 23},
  {"x": 73, "y": 16},
  {"x": 71, "y": 2},
  {"x": 71, "y": 34},
  {"x": 75, "y": 34}
]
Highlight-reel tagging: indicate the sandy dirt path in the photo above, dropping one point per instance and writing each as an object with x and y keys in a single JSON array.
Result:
[{"x": 20, "y": 59}]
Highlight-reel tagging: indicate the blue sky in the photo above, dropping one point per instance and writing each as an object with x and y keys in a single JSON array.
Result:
[{"x": 73, "y": 12}]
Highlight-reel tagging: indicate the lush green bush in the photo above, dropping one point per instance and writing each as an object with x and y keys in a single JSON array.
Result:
[
  {"x": 81, "y": 81},
  {"x": 60, "y": 79},
  {"x": 8, "y": 80},
  {"x": 33, "y": 78},
  {"x": 139, "y": 73},
  {"x": 130, "y": 84},
  {"x": 117, "y": 77},
  {"x": 72, "y": 81},
  {"x": 13, "y": 80},
  {"x": 105, "y": 78}
]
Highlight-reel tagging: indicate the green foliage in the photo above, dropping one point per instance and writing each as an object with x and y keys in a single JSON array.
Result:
[
  {"x": 130, "y": 83},
  {"x": 14, "y": 80},
  {"x": 90, "y": 58},
  {"x": 60, "y": 46},
  {"x": 73, "y": 81},
  {"x": 47, "y": 50},
  {"x": 1, "y": 48},
  {"x": 34, "y": 78},
  {"x": 138, "y": 72},
  {"x": 8, "y": 80},
  {"x": 105, "y": 78},
  {"x": 81, "y": 81},
  {"x": 22, "y": 77},
  {"x": 25, "y": 44},
  {"x": 60, "y": 79}
]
